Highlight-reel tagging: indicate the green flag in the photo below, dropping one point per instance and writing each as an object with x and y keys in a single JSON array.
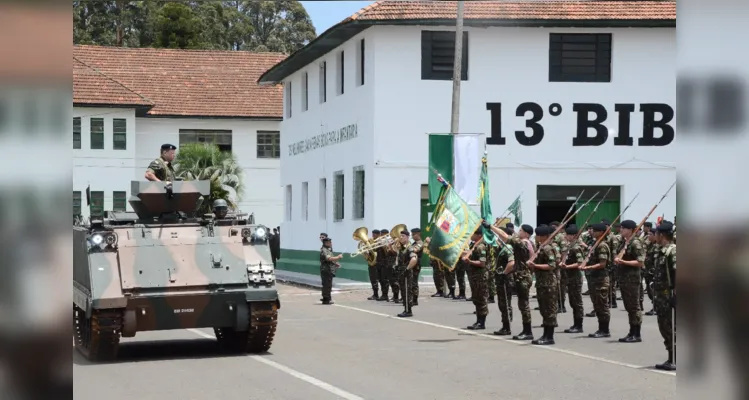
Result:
[
  {"x": 517, "y": 212},
  {"x": 453, "y": 227},
  {"x": 440, "y": 162},
  {"x": 486, "y": 204}
]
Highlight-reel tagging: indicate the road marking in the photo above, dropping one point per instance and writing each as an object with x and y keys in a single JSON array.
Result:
[
  {"x": 296, "y": 374},
  {"x": 515, "y": 342}
]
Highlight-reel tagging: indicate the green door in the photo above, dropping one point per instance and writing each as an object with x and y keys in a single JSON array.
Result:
[
  {"x": 609, "y": 209},
  {"x": 426, "y": 208}
]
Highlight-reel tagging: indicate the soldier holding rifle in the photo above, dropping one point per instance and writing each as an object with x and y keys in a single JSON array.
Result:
[
  {"x": 571, "y": 262},
  {"x": 629, "y": 268},
  {"x": 599, "y": 278},
  {"x": 664, "y": 286},
  {"x": 405, "y": 264},
  {"x": 547, "y": 284},
  {"x": 476, "y": 262},
  {"x": 505, "y": 263}
]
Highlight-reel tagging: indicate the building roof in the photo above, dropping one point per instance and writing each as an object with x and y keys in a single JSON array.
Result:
[
  {"x": 530, "y": 13},
  {"x": 188, "y": 83},
  {"x": 91, "y": 87}
]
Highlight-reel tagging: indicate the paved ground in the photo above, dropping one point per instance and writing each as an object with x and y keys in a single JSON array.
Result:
[{"x": 357, "y": 349}]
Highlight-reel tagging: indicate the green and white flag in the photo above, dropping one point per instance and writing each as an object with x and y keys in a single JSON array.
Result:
[
  {"x": 458, "y": 159},
  {"x": 486, "y": 203},
  {"x": 454, "y": 224},
  {"x": 516, "y": 210}
]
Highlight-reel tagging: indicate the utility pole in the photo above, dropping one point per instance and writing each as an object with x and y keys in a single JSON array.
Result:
[{"x": 457, "y": 64}]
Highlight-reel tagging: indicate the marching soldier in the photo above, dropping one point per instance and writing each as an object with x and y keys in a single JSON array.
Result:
[
  {"x": 599, "y": 278},
  {"x": 328, "y": 263},
  {"x": 505, "y": 262},
  {"x": 522, "y": 249},
  {"x": 630, "y": 279},
  {"x": 571, "y": 262},
  {"x": 418, "y": 248},
  {"x": 405, "y": 264},
  {"x": 374, "y": 276},
  {"x": 476, "y": 263},
  {"x": 545, "y": 266},
  {"x": 664, "y": 286},
  {"x": 653, "y": 248},
  {"x": 390, "y": 260}
]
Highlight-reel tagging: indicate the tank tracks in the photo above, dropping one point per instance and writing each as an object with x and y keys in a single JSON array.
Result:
[
  {"x": 263, "y": 319},
  {"x": 98, "y": 337}
]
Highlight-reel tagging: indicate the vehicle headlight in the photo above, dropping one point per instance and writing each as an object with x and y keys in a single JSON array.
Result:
[
  {"x": 97, "y": 239},
  {"x": 260, "y": 232}
]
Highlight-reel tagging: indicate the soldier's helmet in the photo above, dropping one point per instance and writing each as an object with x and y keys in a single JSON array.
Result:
[{"x": 220, "y": 208}]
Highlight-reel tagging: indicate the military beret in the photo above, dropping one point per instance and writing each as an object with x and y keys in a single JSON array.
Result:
[
  {"x": 571, "y": 230},
  {"x": 554, "y": 223},
  {"x": 405, "y": 232},
  {"x": 326, "y": 239},
  {"x": 509, "y": 225},
  {"x": 543, "y": 230},
  {"x": 383, "y": 231},
  {"x": 415, "y": 230},
  {"x": 167, "y": 146},
  {"x": 606, "y": 222},
  {"x": 599, "y": 227},
  {"x": 376, "y": 231},
  {"x": 665, "y": 227},
  {"x": 629, "y": 224},
  {"x": 648, "y": 224},
  {"x": 324, "y": 234},
  {"x": 527, "y": 229}
]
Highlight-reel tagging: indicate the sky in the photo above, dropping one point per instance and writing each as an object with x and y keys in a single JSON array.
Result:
[{"x": 325, "y": 14}]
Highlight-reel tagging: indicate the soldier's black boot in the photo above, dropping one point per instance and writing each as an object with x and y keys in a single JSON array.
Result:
[
  {"x": 451, "y": 295},
  {"x": 633, "y": 336},
  {"x": 547, "y": 338},
  {"x": 505, "y": 331},
  {"x": 469, "y": 299},
  {"x": 564, "y": 309},
  {"x": 591, "y": 314},
  {"x": 669, "y": 364},
  {"x": 480, "y": 324},
  {"x": 384, "y": 296},
  {"x": 602, "y": 332},
  {"x": 577, "y": 327},
  {"x": 438, "y": 294},
  {"x": 526, "y": 334},
  {"x": 405, "y": 314},
  {"x": 461, "y": 295},
  {"x": 375, "y": 295}
]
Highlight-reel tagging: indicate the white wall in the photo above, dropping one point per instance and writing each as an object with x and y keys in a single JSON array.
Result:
[
  {"x": 105, "y": 170},
  {"x": 354, "y": 106},
  {"x": 263, "y": 194}
]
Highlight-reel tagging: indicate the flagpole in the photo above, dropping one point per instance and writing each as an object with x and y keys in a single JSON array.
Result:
[{"x": 457, "y": 71}]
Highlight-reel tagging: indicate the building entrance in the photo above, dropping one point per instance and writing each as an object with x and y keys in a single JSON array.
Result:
[{"x": 554, "y": 202}]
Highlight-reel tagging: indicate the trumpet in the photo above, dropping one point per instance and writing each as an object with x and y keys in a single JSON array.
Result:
[{"x": 366, "y": 245}]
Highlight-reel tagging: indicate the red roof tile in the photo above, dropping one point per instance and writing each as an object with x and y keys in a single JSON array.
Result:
[
  {"x": 93, "y": 87},
  {"x": 519, "y": 10},
  {"x": 205, "y": 83}
]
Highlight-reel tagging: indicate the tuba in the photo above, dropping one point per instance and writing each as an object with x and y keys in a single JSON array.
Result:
[
  {"x": 366, "y": 248},
  {"x": 367, "y": 245}
]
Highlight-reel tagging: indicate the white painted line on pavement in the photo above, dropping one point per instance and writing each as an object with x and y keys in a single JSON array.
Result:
[
  {"x": 296, "y": 374},
  {"x": 516, "y": 342}
]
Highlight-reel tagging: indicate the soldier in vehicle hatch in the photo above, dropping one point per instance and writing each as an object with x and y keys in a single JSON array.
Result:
[
  {"x": 220, "y": 208},
  {"x": 161, "y": 168}
]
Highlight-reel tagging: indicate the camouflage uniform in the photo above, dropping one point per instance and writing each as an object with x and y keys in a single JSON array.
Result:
[
  {"x": 575, "y": 282},
  {"x": 523, "y": 279},
  {"x": 460, "y": 277},
  {"x": 438, "y": 275},
  {"x": 384, "y": 272},
  {"x": 491, "y": 257},
  {"x": 405, "y": 276},
  {"x": 615, "y": 241},
  {"x": 547, "y": 285},
  {"x": 417, "y": 247},
  {"x": 477, "y": 280},
  {"x": 599, "y": 291},
  {"x": 630, "y": 280},
  {"x": 327, "y": 272},
  {"x": 162, "y": 169},
  {"x": 650, "y": 256},
  {"x": 560, "y": 244},
  {"x": 663, "y": 282},
  {"x": 504, "y": 256}
]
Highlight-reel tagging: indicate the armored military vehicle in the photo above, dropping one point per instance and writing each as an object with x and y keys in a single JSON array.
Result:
[{"x": 165, "y": 267}]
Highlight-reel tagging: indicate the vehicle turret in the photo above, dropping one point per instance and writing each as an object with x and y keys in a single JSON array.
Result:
[{"x": 159, "y": 200}]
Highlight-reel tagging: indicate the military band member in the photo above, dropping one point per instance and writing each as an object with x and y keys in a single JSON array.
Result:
[
  {"x": 630, "y": 279},
  {"x": 599, "y": 278},
  {"x": 664, "y": 287},
  {"x": 406, "y": 262},
  {"x": 505, "y": 263},
  {"x": 418, "y": 248},
  {"x": 571, "y": 262},
  {"x": 390, "y": 259},
  {"x": 522, "y": 250},
  {"x": 653, "y": 248},
  {"x": 328, "y": 264},
  {"x": 374, "y": 273},
  {"x": 476, "y": 263},
  {"x": 547, "y": 289},
  {"x": 160, "y": 169},
  {"x": 384, "y": 271}
]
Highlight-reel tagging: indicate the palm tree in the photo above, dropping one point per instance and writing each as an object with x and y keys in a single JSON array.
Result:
[{"x": 204, "y": 161}]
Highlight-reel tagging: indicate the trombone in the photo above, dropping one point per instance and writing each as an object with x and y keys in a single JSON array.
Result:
[{"x": 366, "y": 245}]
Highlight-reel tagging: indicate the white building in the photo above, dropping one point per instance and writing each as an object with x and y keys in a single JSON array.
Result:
[
  {"x": 360, "y": 99},
  {"x": 128, "y": 102}
]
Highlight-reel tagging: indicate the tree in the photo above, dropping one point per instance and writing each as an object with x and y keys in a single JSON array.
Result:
[{"x": 204, "y": 161}]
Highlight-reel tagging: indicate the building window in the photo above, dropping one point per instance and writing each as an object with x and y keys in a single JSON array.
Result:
[
  {"x": 438, "y": 55},
  {"x": 288, "y": 100},
  {"x": 268, "y": 144},
  {"x": 119, "y": 201},
  {"x": 97, "y": 133},
  {"x": 97, "y": 204},
  {"x": 323, "y": 199},
  {"x": 305, "y": 201},
  {"x": 341, "y": 69},
  {"x": 360, "y": 62},
  {"x": 305, "y": 92},
  {"x": 288, "y": 202},
  {"x": 580, "y": 57},
  {"x": 220, "y": 137},
  {"x": 76, "y": 202},
  {"x": 119, "y": 134},
  {"x": 339, "y": 198},
  {"x": 358, "y": 206},
  {"x": 323, "y": 82},
  {"x": 77, "y": 133}
]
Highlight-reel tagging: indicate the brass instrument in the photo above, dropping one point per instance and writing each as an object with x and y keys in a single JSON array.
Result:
[
  {"x": 366, "y": 245},
  {"x": 362, "y": 236}
]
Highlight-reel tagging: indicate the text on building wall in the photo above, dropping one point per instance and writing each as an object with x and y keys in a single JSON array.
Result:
[{"x": 324, "y": 139}]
